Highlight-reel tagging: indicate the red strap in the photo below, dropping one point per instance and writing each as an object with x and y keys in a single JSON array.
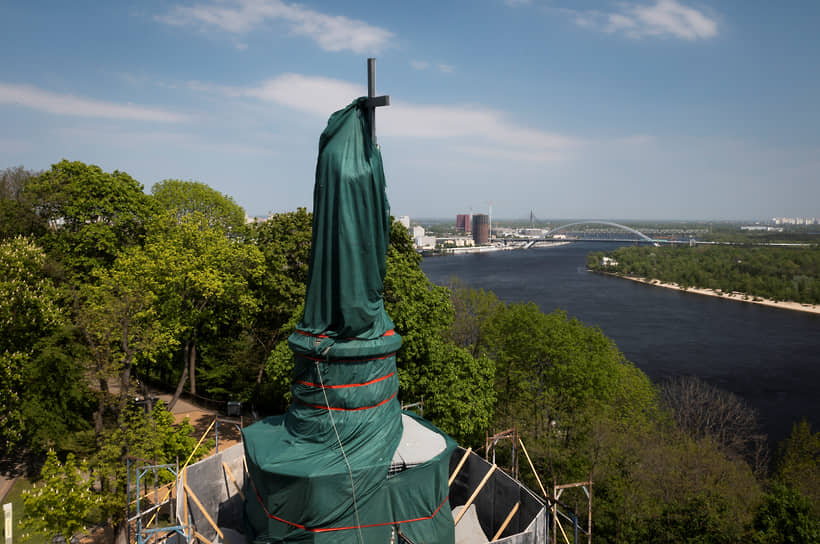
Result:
[
  {"x": 349, "y": 360},
  {"x": 323, "y": 407},
  {"x": 330, "y": 529},
  {"x": 391, "y": 332},
  {"x": 342, "y": 386}
]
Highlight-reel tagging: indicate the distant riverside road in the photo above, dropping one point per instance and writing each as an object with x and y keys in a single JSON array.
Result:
[{"x": 768, "y": 356}]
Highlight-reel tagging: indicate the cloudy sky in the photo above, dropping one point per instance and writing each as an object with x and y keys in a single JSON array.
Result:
[{"x": 667, "y": 109}]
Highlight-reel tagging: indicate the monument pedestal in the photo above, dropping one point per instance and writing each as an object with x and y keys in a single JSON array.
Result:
[{"x": 344, "y": 464}]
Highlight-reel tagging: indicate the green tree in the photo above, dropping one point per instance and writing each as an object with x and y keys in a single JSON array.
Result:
[
  {"x": 474, "y": 310},
  {"x": 284, "y": 240},
  {"x": 786, "y": 516},
  {"x": 62, "y": 502},
  {"x": 91, "y": 214},
  {"x": 57, "y": 402},
  {"x": 201, "y": 279},
  {"x": 11, "y": 416},
  {"x": 28, "y": 312},
  {"x": 182, "y": 198},
  {"x": 798, "y": 464},
  {"x": 17, "y": 213},
  {"x": 456, "y": 387},
  {"x": 119, "y": 321}
]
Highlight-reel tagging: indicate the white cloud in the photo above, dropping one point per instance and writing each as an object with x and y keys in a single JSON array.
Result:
[
  {"x": 314, "y": 95},
  {"x": 663, "y": 18},
  {"x": 65, "y": 104},
  {"x": 330, "y": 32},
  {"x": 476, "y": 130},
  {"x": 424, "y": 65}
]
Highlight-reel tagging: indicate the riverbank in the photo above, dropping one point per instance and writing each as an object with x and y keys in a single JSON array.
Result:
[{"x": 741, "y": 297}]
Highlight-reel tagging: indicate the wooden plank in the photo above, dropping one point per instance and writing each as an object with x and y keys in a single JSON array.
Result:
[
  {"x": 205, "y": 513},
  {"x": 460, "y": 464},
  {"x": 185, "y": 501},
  {"x": 202, "y": 538},
  {"x": 507, "y": 521},
  {"x": 524, "y": 448},
  {"x": 230, "y": 475},
  {"x": 475, "y": 494}
]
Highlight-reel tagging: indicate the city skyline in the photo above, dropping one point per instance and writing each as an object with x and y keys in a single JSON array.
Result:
[{"x": 647, "y": 109}]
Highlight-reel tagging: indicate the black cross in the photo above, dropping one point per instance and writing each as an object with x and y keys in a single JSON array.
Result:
[{"x": 373, "y": 101}]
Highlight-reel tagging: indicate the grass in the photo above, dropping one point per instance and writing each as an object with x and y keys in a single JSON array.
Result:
[{"x": 15, "y": 497}]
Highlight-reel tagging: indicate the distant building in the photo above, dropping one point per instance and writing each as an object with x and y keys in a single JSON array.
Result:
[
  {"x": 463, "y": 222},
  {"x": 405, "y": 220},
  {"x": 455, "y": 241},
  {"x": 481, "y": 228},
  {"x": 421, "y": 240},
  {"x": 762, "y": 228}
]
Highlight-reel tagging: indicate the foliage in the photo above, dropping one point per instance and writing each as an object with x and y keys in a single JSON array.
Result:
[
  {"x": 28, "y": 298},
  {"x": 91, "y": 214},
  {"x": 786, "y": 516},
  {"x": 11, "y": 415},
  {"x": 456, "y": 386},
  {"x": 57, "y": 401},
  {"x": 62, "y": 503},
  {"x": 554, "y": 377},
  {"x": 777, "y": 273},
  {"x": 658, "y": 485},
  {"x": 182, "y": 198},
  {"x": 28, "y": 312},
  {"x": 704, "y": 411},
  {"x": 274, "y": 393},
  {"x": 284, "y": 240},
  {"x": 17, "y": 214},
  {"x": 148, "y": 436},
  {"x": 474, "y": 308},
  {"x": 201, "y": 281},
  {"x": 798, "y": 464}
]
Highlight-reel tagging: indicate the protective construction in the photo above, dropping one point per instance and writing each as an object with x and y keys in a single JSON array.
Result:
[{"x": 319, "y": 473}]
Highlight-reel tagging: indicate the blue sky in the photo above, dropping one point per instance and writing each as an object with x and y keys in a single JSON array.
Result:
[{"x": 646, "y": 109}]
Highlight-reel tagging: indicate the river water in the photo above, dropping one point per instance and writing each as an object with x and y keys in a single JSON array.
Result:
[{"x": 768, "y": 356}]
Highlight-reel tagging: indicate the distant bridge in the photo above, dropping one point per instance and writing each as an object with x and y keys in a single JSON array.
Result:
[{"x": 609, "y": 223}]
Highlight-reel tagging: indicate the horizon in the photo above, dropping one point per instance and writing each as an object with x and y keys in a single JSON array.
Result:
[{"x": 682, "y": 109}]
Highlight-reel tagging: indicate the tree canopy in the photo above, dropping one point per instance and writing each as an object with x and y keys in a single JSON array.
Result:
[{"x": 110, "y": 291}]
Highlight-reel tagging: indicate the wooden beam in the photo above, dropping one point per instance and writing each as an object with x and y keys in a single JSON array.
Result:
[
  {"x": 507, "y": 521},
  {"x": 460, "y": 464},
  {"x": 230, "y": 475},
  {"x": 205, "y": 513},
  {"x": 475, "y": 494},
  {"x": 202, "y": 538},
  {"x": 524, "y": 449}
]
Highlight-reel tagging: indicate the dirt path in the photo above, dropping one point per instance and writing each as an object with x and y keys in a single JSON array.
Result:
[{"x": 201, "y": 419}]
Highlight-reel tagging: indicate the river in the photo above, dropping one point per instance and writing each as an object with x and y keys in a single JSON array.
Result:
[{"x": 770, "y": 357}]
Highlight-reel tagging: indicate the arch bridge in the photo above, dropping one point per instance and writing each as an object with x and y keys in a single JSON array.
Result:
[{"x": 608, "y": 223}]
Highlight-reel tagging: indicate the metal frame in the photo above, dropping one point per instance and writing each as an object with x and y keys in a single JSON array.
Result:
[
  {"x": 492, "y": 441},
  {"x": 145, "y": 535}
]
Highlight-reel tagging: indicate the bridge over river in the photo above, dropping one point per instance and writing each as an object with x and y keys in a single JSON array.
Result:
[{"x": 563, "y": 233}]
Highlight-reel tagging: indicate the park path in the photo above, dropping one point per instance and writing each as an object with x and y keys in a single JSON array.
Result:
[{"x": 200, "y": 418}]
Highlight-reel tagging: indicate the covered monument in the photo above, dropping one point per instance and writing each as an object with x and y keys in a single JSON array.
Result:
[{"x": 344, "y": 464}]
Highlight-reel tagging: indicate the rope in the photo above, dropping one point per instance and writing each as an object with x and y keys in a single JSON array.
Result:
[{"x": 341, "y": 447}]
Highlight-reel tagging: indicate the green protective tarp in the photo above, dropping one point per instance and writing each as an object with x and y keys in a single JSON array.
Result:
[
  {"x": 351, "y": 232},
  {"x": 301, "y": 484}
]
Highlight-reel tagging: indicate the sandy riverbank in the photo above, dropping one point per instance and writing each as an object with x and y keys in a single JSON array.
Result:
[{"x": 741, "y": 297}]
